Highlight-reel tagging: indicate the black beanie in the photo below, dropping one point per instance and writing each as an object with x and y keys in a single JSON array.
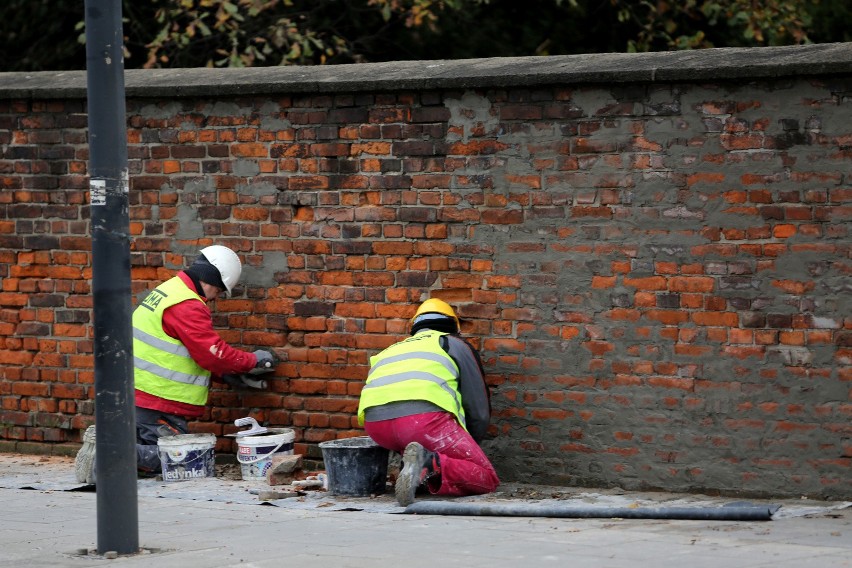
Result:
[{"x": 206, "y": 272}]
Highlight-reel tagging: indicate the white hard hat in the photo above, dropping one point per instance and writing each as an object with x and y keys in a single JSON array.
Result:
[{"x": 226, "y": 262}]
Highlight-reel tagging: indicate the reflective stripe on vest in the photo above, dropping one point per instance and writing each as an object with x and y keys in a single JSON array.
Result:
[
  {"x": 416, "y": 368},
  {"x": 162, "y": 364}
]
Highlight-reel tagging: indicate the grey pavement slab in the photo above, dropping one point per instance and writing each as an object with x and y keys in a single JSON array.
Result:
[{"x": 48, "y": 519}]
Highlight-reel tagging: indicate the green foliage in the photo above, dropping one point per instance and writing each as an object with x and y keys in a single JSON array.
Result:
[
  {"x": 42, "y": 34},
  {"x": 39, "y": 35},
  {"x": 831, "y": 21},
  {"x": 233, "y": 33},
  {"x": 693, "y": 24}
]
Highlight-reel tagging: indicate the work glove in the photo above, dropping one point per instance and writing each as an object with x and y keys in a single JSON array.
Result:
[
  {"x": 244, "y": 381},
  {"x": 265, "y": 362}
]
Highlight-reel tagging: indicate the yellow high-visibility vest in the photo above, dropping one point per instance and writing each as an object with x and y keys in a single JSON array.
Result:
[
  {"x": 416, "y": 368},
  {"x": 162, "y": 365}
]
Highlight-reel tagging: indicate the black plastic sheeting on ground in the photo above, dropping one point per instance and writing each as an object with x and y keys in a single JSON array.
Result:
[{"x": 726, "y": 513}]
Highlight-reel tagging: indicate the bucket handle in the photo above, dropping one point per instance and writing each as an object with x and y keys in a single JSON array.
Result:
[
  {"x": 263, "y": 457},
  {"x": 201, "y": 456}
]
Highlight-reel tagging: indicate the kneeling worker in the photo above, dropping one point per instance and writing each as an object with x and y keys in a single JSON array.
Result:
[
  {"x": 426, "y": 398},
  {"x": 175, "y": 353}
]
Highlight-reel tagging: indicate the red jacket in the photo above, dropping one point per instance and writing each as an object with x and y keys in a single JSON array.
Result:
[{"x": 191, "y": 323}]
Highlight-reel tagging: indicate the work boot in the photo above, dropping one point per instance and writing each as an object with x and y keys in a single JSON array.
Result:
[
  {"x": 414, "y": 461},
  {"x": 430, "y": 475},
  {"x": 84, "y": 463},
  {"x": 394, "y": 466}
]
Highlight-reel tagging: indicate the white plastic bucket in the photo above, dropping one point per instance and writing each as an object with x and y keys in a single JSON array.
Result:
[
  {"x": 187, "y": 456},
  {"x": 255, "y": 452}
]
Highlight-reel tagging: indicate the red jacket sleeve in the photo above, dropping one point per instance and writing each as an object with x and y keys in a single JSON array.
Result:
[{"x": 191, "y": 323}]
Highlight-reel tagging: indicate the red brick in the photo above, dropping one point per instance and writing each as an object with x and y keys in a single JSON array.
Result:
[
  {"x": 646, "y": 283},
  {"x": 603, "y": 281},
  {"x": 623, "y": 314},
  {"x": 250, "y": 150},
  {"x": 598, "y": 348},
  {"x": 719, "y": 319},
  {"x": 700, "y": 284},
  {"x": 668, "y": 317},
  {"x": 793, "y": 286}
]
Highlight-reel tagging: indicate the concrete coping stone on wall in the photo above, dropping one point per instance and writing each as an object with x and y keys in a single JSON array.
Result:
[{"x": 723, "y": 64}]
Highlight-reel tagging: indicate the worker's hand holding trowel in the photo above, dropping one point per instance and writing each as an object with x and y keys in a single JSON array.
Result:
[{"x": 265, "y": 362}]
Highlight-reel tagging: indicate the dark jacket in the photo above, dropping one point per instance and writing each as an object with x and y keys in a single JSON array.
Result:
[{"x": 476, "y": 399}]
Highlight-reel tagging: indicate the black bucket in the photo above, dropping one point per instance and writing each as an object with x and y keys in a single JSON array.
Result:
[{"x": 355, "y": 466}]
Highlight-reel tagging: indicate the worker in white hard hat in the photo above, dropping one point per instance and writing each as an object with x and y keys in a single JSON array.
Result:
[
  {"x": 426, "y": 398},
  {"x": 176, "y": 352}
]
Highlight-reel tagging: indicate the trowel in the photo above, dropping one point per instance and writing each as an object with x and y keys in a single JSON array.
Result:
[
  {"x": 244, "y": 380},
  {"x": 256, "y": 429}
]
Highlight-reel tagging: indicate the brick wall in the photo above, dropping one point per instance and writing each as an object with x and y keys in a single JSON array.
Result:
[{"x": 657, "y": 273}]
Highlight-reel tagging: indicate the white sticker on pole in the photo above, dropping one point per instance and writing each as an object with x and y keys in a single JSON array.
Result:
[{"x": 97, "y": 188}]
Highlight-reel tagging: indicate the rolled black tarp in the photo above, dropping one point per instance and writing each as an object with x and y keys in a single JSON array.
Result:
[{"x": 735, "y": 512}]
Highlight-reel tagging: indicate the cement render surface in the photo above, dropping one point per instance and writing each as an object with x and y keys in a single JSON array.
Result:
[{"x": 48, "y": 520}]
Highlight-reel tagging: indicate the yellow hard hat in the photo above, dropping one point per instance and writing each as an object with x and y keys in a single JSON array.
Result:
[{"x": 436, "y": 306}]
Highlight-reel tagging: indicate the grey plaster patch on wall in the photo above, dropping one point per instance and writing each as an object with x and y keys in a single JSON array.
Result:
[
  {"x": 590, "y": 100},
  {"x": 274, "y": 124},
  {"x": 662, "y": 101},
  {"x": 492, "y": 235},
  {"x": 577, "y": 281},
  {"x": 188, "y": 125},
  {"x": 471, "y": 112},
  {"x": 161, "y": 111},
  {"x": 203, "y": 185},
  {"x": 718, "y": 215},
  {"x": 189, "y": 225},
  {"x": 791, "y": 267},
  {"x": 246, "y": 168},
  {"x": 258, "y": 189},
  {"x": 520, "y": 166},
  {"x": 652, "y": 188},
  {"x": 789, "y": 355},
  {"x": 270, "y": 107},
  {"x": 226, "y": 109},
  {"x": 662, "y": 130},
  {"x": 264, "y": 276},
  {"x": 834, "y": 117}
]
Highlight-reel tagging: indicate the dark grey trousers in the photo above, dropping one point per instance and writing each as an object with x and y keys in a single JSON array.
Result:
[{"x": 150, "y": 426}]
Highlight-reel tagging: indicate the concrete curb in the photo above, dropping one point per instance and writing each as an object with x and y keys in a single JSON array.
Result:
[{"x": 720, "y": 64}]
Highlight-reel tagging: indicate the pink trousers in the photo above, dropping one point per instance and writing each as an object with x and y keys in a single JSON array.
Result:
[{"x": 465, "y": 469}]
